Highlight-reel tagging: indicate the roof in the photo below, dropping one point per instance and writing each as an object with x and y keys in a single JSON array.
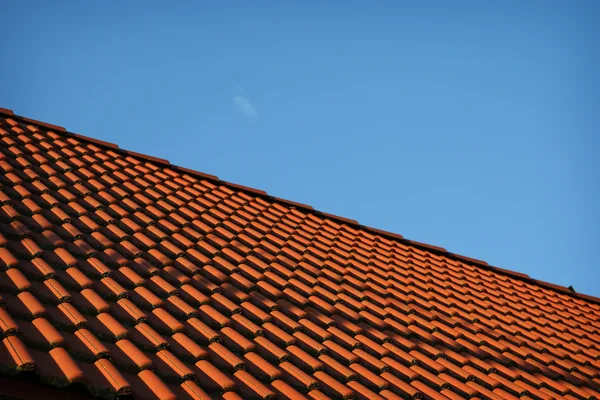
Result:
[{"x": 125, "y": 276}]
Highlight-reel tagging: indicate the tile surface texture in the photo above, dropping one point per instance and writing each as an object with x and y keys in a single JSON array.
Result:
[{"x": 128, "y": 276}]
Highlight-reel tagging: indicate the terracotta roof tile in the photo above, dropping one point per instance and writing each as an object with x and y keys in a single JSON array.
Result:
[
  {"x": 14, "y": 356},
  {"x": 130, "y": 276},
  {"x": 57, "y": 367},
  {"x": 105, "y": 380}
]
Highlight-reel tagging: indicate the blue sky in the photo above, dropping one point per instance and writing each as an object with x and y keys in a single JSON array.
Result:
[{"x": 468, "y": 125}]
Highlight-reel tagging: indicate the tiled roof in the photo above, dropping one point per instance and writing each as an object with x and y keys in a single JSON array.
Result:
[{"x": 129, "y": 276}]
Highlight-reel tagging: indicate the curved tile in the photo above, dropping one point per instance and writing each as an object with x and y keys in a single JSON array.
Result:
[{"x": 123, "y": 273}]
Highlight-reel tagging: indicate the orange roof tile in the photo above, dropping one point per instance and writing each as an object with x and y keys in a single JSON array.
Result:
[{"x": 129, "y": 276}]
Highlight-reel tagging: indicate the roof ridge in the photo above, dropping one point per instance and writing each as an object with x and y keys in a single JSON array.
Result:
[{"x": 569, "y": 291}]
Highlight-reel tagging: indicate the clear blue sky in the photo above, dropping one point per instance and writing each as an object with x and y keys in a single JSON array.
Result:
[{"x": 464, "y": 124}]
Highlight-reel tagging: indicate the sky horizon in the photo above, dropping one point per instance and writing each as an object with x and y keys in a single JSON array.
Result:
[{"x": 470, "y": 126}]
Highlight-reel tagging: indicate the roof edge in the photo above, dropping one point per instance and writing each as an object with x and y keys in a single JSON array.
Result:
[
  {"x": 304, "y": 207},
  {"x": 6, "y": 111}
]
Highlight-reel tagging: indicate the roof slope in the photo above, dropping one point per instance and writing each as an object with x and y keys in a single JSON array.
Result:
[{"x": 132, "y": 277}]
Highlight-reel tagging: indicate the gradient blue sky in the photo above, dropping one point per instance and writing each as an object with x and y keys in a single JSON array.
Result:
[{"x": 465, "y": 124}]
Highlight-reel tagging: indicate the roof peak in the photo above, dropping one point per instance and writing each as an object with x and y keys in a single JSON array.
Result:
[{"x": 569, "y": 291}]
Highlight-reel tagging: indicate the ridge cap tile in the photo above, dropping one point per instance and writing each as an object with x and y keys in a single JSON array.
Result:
[
  {"x": 186, "y": 286},
  {"x": 198, "y": 173},
  {"x": 43, "y": 124},
  {"x": 145, "y": 157}
]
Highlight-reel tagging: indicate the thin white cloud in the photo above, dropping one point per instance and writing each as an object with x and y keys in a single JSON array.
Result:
[
  {"x": 243, "y": 104},
  {"x": 245, "y": 107}
]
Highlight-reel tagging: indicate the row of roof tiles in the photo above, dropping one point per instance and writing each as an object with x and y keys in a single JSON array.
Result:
[
  {"x": 132, "y": 278},
  {"x": 378, "y": 233}
]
